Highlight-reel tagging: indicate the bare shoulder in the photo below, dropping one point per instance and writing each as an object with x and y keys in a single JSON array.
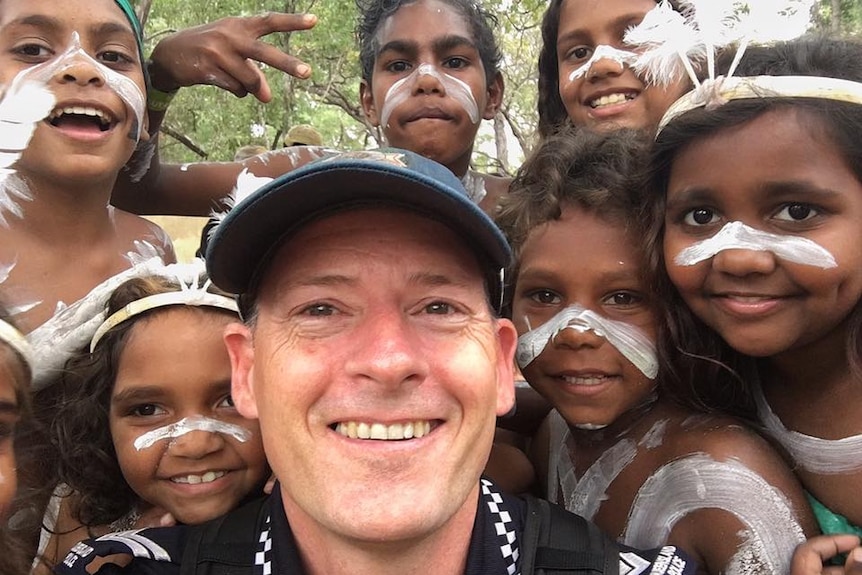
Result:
[
  {"x": 495, "y": 188},
  {"x": 143, "y": 236}
]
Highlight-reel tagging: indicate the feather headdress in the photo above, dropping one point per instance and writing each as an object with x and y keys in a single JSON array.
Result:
[
  {"x": 670, "y": 42},
  {"x": 24, "y": 104}
]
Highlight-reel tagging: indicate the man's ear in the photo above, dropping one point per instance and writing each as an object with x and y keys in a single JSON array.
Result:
[
  {"x": 495, "y": 97},
  {"x": 240, "y": 348},
  {"x": 366, "y": 97},
  {"x": 507, "y": 337}
]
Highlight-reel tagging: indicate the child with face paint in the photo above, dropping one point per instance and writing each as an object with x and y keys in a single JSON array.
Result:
[
  {"x": 585, "y": 74},
  {"x": 756, "y": 219},
  {"x": 72, "y": 113},
  {"x": 144, "y": 423},
  {"x": 618, "y": 448}
]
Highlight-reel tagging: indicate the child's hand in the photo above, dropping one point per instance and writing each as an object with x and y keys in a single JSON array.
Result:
[
  {"x": 226, "y": 53},
  {"x": 809, "y": 556}
]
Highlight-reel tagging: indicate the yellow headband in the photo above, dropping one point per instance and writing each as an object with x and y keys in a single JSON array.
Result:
[
  {"x": 16, "y": 340},
  {"x": 193, "y": 297},
  {"x": 713, "y": 93}
]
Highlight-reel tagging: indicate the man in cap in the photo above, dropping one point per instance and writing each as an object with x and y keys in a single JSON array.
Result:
[
  {"x": 303, "y": 135},
  {"x": 373, "y": 356}
]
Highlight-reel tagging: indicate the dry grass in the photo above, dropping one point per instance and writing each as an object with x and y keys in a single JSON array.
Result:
[{"x": 185, "y": 233}]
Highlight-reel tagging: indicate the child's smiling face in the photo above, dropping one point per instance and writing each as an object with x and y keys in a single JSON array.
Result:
[
  {"x": 86, "y": 55},
  {"x": 608, "y": 96},
  {"x": 175, "y": 366},
  {"x": 777, "y": 173},
  {"x": 582, "y": 259}
]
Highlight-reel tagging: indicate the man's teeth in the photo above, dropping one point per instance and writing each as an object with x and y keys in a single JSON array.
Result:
[
  {"x": 587, "y": 380},
  {"x": 396, "y": 431},
  {"x": 610, "y": 100},
  {"x": 207, "y": 477},
  {"x": 80, "y": 111}
]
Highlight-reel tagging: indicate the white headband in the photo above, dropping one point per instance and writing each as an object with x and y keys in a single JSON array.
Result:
[{"x": 16, "y": 340}]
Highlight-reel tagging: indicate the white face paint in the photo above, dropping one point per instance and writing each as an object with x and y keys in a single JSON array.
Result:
[
  {"x": 125, "y": 87},
  {"x": 402, "y": 90},
  {"x": 188, "y": 424},
  {"x": 627, "y": 339},
  {"x": 814, "y": 454},
  {"x": 772, "y": 530},
  {"x": 738, "y": 236},
  {"x": 622, "y": 57}
]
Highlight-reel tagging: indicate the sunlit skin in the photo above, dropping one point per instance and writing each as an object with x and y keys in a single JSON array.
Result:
[
  {"x": 33, "y": 32},
  {"x": 375, "y": 315},
  {"x": 157, "y": 384},
  {"x": 601, "y": 275},
  {"x": 584, "y": 25},
  {"x": 430, "y": 123},
  {"x": 9, "y": 416},
  {"x": 775, "y": 174}
]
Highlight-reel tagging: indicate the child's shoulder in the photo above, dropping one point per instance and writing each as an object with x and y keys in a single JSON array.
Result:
[{"x": 144, "y": 237}]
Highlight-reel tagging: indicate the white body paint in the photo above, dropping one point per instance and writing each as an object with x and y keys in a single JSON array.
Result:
[
  {"x": 622, "y": 58},
  {"x": 124, "y": 86},
  {"x": 629, "y": 340},
  {"x": 189, "y": 424},
  {"x": 814, "y": 454},
  {"x": 402, "y": 90},
  {"x": 697, "y": 481},
  {"x": 474, "y": 183},
  {"x": 738, "y": 236}
]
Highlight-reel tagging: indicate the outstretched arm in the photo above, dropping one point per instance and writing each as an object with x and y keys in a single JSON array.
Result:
[{"x": 224, "y": 53}]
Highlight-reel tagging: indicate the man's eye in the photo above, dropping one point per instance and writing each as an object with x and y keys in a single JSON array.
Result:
[
  {"x": 439, "y": 308},
  {"x": 700, "y": 217},
  {"x": 796, "y": 212},
  {"x": 319, "y": 310}
]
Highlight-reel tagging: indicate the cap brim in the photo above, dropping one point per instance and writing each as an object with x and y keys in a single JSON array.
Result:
[{"x": 256, "y": 226}]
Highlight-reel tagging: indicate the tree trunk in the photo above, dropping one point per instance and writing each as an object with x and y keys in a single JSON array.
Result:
[
  {"x": 143, "y": 11},
  {"x": 501, "y": 142},
  {"x": 835, "y": 21}
]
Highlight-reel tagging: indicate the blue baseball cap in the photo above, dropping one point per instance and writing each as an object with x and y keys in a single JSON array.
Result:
[{"x": 244, "y": 242}]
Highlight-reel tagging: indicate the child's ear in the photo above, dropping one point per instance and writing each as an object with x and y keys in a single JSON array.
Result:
[
  {"x": 366, "y": 96},
  {"x": 495, "y": 97}
]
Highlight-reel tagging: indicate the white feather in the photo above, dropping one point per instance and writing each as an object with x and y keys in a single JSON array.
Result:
[
  {"x": 246, "y": 185},
  {"x": 25, "y": 103}
]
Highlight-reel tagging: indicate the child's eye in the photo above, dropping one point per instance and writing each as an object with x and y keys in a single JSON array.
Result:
[
  {"x": 700, "y": 217},
  {"x": 579, "y": 53},
  {"x": 544, "y": 297},
  {"x": 146, "y": 410},
  {"x": 796, "y": 212},
  {"x": 227, "y": 402},
  {"x": 623, "y": 298},
  {"x": 398, "y": 67},
  {"x": 115, "y": 57},
  {"x": 456, "y": 63},
  {"x": 34, "y": 51}
]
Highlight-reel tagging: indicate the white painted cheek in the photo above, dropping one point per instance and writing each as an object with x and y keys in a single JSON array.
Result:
[
  {"x": 189, "y": 424},
  {"x": 124, "y": 87},
  {"x": 397, "y": 94},
  {"x": 772, "y": 530},
  {"x": 602, "y": 52},
  {"x": 632, "y": 343},
  {"x": 738, "y": 236},
  {"x": 459, "y": 91}
]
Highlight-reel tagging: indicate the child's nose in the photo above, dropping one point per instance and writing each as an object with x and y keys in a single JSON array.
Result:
[
  {"x": 428, "y": 81},
  {"x": 80, "y": 71},
  {"x": 742, "y": 262},
  {"x": 604, "y": 68},
  {"x": 576, "y": 337},
  {"x": 196, "y": 444}
]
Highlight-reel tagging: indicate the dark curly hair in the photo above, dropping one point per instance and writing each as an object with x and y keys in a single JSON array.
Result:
[
  {"x": 372, "y": 14},
  {"x": 839, "y": 122},
  {"x": 552, "y": 111},
  {"x": 87, "y": 461}
]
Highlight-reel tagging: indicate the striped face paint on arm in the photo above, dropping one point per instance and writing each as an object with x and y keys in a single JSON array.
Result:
[
  {"x": 631, "y": 342},
  {"x": 738, "y": 236}
]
